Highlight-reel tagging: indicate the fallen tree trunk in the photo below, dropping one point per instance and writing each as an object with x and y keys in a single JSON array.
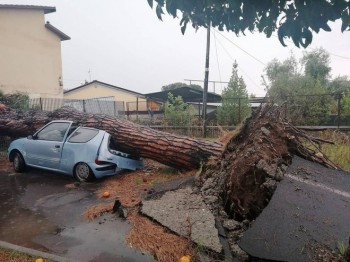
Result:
[{"x": 172, "y": 150}]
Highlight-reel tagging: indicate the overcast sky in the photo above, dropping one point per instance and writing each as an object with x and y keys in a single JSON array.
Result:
[{"x": 122, "y": 42}]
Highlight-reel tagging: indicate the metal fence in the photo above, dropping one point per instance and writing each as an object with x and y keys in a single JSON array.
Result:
[
  {"x": 305, "y": 110},
  {"x": 317, "y": 110},
  {"x": 102, "y": 105},
  {"x": 105, "y": 105}
]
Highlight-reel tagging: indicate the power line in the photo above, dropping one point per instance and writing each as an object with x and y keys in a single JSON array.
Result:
[
  {"x": 246, "y": 52},
  {"x": 251, "y": 79},
  {"x": 217, "y": 57}
]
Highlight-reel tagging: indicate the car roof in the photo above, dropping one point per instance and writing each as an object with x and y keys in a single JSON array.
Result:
[{"x": 74, "y": 124}]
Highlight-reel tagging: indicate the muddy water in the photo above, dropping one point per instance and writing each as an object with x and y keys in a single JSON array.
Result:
[{"x": 38, "y": 211}]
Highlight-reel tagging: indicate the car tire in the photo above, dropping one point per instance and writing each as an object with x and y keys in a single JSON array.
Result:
[
  {"x": 18, "y": 162},
  {"x": 83, "y": 173}
]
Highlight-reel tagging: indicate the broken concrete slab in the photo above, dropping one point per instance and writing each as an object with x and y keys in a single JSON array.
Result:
[
  {"x": 185, "y": 213},
  {"x": 309, "y": 209}
]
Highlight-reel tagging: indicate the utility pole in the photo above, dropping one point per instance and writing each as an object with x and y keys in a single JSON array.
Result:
[{"x": 206, "y": 78}]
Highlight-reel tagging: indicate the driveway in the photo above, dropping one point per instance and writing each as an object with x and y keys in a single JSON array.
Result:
[{"x": 43, "y": 211}]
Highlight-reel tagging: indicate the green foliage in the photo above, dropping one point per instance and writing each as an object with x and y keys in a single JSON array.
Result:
[
  {"x": 15, "y": 100},
  {"x": 178, "y": 85},
  {"x": 339, "y": 85},
  {"x": 341, "y": 248},
  {"x": 177, "y": 112},
  {"x": 317, "y": 64},
  {"x": 235, "y": 103},
  {"x": 305, "y": 94},
  {"x": 297, "y": 20},
  {"x": 345, "y": 104}
]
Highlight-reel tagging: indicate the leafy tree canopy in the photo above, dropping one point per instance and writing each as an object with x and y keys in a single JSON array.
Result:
[
  {"x": 316, "y": 64},
  {"x": 305, "y": 87},
  {"x": 178, "y": 85},
  {"x": 297, "y": 19}
]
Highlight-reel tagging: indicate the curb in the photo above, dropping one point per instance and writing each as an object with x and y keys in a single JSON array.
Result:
[{"x": 35, "y": 253}]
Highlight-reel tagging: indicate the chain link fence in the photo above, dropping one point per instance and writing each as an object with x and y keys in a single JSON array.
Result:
[{"x": 317, "y": 110}]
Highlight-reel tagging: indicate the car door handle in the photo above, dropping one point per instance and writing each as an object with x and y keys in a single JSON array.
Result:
[{"x": 57, "y": 146}]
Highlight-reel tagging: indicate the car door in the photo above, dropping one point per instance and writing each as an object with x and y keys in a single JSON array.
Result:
[{"x": 45, "y": 147}]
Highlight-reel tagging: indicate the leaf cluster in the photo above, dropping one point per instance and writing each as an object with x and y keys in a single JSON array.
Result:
[
  {"x": 297, "y": 19},
  {"x": 178, "y": 85},
  {"x": 176, "y": 111},
  {"x": 15, "y": 100}
]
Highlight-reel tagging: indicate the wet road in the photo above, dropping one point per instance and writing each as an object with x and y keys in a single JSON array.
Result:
[{"x": 38, "y": 211}]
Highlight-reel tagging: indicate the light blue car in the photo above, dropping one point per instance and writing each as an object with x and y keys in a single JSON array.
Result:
[{"x": 82, "y": 152}]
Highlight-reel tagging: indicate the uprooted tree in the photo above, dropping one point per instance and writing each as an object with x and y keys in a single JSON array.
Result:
[{"x": 240, "y": 177}]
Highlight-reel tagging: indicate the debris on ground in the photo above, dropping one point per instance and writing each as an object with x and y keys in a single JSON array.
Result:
[
  {"x": 127, "y": 190},
  {"x": 163, "y": 245},
  {"x": 184, "y": 212},
  {"x": 97, "y": 210},
  {"x": 130, "y": 187},
  {"x": 236, "y": 189}
]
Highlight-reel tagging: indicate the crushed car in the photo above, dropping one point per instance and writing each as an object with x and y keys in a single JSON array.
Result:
[{"x": 82, "y": 152}]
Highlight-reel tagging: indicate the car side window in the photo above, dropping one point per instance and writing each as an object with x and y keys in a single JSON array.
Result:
[
  {"x": 83, "y": 135},
  {"x": 53, "y": 132}
]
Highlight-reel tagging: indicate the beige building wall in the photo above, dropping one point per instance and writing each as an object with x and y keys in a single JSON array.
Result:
[
  {"x": 30, "y": 54},
  {"x": 99, "y": 90}
]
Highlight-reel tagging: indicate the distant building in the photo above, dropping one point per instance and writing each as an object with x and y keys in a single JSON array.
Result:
[
  {"x": 30, "y": 52},
  {"x": 132, "y": 101}
]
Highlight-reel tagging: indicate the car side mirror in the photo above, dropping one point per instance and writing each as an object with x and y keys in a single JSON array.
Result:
[{"x": 30, "y": 137}]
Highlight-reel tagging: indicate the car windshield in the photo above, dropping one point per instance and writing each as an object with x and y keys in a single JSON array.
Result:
[{"x": 83, "y": 135}]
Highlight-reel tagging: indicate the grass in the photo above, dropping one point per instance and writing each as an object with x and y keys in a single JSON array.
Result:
[
  {"x": 138, "y": 181},
  {"x": 9, "y": 255},
  {"x": 341, "y": 248},
  {"x": 339, "y": 153}
]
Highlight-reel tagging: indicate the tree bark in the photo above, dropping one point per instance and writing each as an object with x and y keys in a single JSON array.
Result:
[{"x": 172, "y": 150}]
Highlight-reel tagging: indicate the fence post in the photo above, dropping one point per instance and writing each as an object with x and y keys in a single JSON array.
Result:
[
  {"x": 41, "y": 104},
  {"x": 339, "y": 97},
  {"x": 127, "y": 112},
  {"x": 137, "y": 108},
  {"x": 114, "y": 107},
  {"x": 84, "y": 110},
  {"x": 239, "y": 110}
]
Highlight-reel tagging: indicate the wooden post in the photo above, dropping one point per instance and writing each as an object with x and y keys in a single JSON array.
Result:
[
  {"x": 339, "y": 96},
  {"x": 137, "y": 108}
]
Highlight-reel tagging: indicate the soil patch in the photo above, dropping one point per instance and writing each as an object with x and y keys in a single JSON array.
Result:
[
  {"x": 163, "y": 245},
  {"x": 129, "y": 188}
]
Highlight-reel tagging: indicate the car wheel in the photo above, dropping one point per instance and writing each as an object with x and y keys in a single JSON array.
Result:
[
  {"x": 83, "y": 172},
  {"x": 18, "y": 162}
]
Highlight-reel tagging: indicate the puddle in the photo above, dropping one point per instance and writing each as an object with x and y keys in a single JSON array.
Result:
[
  {"x": 18, "y": 223},
  {"x": 38, "y": 211}
]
